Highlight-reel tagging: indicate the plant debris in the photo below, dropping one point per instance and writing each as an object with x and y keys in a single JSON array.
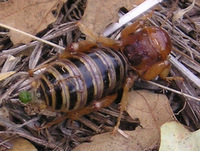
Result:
[
  {"x": 152, "y": 109},
  {"x": 28, "y": 16},
  {"x": 107, "y": 13},
  {"x": 174, "y": 136}
]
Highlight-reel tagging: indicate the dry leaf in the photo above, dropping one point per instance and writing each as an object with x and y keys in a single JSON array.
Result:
[
  {"x": 108, "y": 141},
  {"x": 29, "y": 16},
  {"x": 10, "y": 63},
  {"x": 100, "y": 13},
  {"x": 4, "y": 112},
  {"x": 152, "y": 110},
  {"x": 174, "y": 136},
  {"x": 6, "y": 75}
]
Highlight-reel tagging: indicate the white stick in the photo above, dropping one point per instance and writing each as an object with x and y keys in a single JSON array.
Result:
[
  {"x": 32, "y": 36},
  {"x": 140, "y": 9},
  {"x": 175, "y": 91},
  {"x": 185, "y": 71}
]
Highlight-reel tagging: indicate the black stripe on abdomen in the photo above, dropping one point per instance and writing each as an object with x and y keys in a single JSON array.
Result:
[
  {"x": 87, "y": 77},
  {"x": 46, "y": 91},
  {"x": 52, "y": 89},
  {"x": 82, "y": 78},
  {"x": 69, "y": 82},
  {"x": 103, "y": 68}
]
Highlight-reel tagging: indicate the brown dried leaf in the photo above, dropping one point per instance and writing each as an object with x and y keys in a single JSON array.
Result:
[
  {"x": 100, "y": 13},
  {"x": 152, "y": 109},
  {"x": 116, "y": 142},
  {"x": 4, "y": 112},
  {"x": 28, "y": 16}
]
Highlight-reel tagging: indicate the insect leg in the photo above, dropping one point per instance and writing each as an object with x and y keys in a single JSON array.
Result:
[
  {"x": 128, "y": 84},
  {"x": 157, "y": 69},
  {"x": 135, "y": 26},
  {"x": 81, "y": 46},
  {"x": 131, "y": 29},
  {"x": 160, "y": 69},
  {"x": 74, "y": 115},
  {"x": 31, "y": 71},
  {"x": 105, "y": 41},
  {"x": 94, "y": 106}
]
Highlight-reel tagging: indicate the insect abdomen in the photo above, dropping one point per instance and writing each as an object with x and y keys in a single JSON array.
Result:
[{"x": 69, "y": 84}]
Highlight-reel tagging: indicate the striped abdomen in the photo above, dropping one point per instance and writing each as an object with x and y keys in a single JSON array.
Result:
[{"x": 69, "y": 84}]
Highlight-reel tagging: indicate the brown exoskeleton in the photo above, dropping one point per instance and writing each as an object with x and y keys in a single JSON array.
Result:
[{"x": 87, "y": 76}]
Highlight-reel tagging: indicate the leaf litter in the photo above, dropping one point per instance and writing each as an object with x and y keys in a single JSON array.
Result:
[
  {"x": 174, "y": 136},
  {"x": 152, "y": 109},
  {"x": 67, "y": 134},
  {"x": 104, "y": 13},
  {"x": 29, "y": 16}
]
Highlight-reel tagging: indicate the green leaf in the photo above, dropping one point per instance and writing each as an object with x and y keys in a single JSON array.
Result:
[{"x": 25, "y": 96}]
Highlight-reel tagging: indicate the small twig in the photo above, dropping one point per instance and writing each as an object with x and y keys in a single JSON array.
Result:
[
  {"x": 28, "y": 122},
  {"x": 10, "y": 90},
  {"x": 180, "y": 13},
  {"x": 29, "y": 137},
  {"x": 185, "y": 71},
  {"x": 6, "y": 142},
  {"x": 173, "y": 90},
  {"x": 89, "y": 124},
  {"x": 32, "y": 36},
  {"x": 122, "y": 133},
  {"x": 13, "y": 129},
  {"x": 185, "y": 103},
  {"x": 53, "y": 33}
]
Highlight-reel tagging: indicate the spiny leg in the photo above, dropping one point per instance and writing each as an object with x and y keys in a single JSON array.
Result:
[
  {"x": 74, "y": 115},
  {"x": 131, "y": 29},
  {"x": 160, "y": 69},
  {"x": 128, "y": 84},
  {"x": 94, "y": 106},
  {"x": 135, "y": 26},
  {"x": 156, "y": 70},
  {"x": 105, "y": 41},
  {"x": 31, "y": 71},
  {"x": 85, "y": 45},
  {"x": 164, "y": 75},
  {"x": 81, "y": 46}
]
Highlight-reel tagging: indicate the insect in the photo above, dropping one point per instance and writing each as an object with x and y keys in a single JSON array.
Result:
[{"x": 87, "y": 76}]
